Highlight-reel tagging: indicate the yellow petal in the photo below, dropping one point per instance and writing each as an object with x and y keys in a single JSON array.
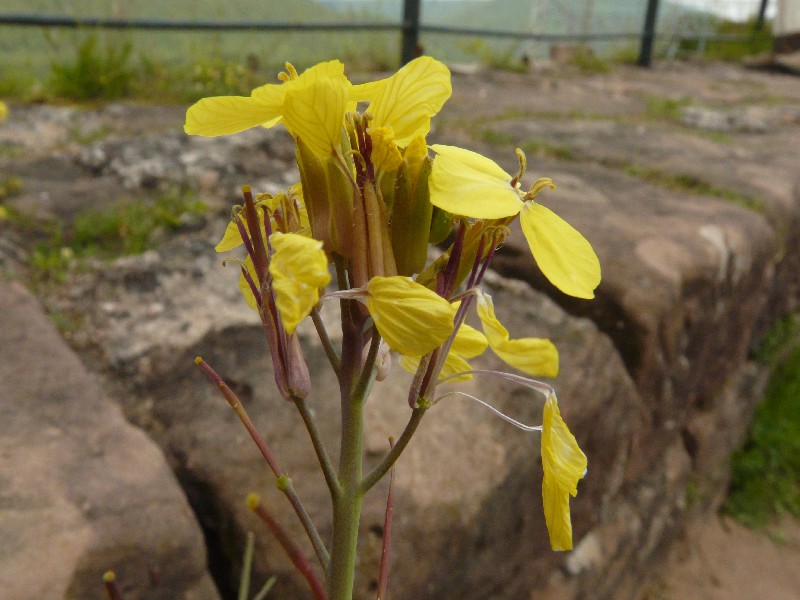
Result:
[
  {"x": 469, "y": 342},
  {"x": 222, "y": 115},
  {"x": 3, "y": 111},
  {"x": 299, "y": 268},
  {"x": 313, "y": 111},
  {"x": 534, "y": 356},
  {"x": 407, "y": 100},
  {"x": 562, "y": 253},
  {"x": 468, "y": 184},
  {"x": 412, "y": 319},
  {"x": 385, "y": 155},
  {"x": 415, "y": 155},
  {"x": 564, "y": 465},
  {"x": 230, "y": 240}
]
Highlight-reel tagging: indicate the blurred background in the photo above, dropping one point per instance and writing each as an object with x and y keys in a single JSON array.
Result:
[{"x": 191, "y": 57}]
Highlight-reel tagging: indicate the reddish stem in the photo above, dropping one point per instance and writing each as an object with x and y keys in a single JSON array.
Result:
[
  {"x": 110, "y": 582},
  {"x": 292, "y": 551},
  {"x": 383, "y": 577}
]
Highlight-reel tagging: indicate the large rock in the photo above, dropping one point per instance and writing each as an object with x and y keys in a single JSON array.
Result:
[
  {"x": 655, "y": 379},
  {"x": 82, "y": 490},
  {"x": 462, "y": 466}
]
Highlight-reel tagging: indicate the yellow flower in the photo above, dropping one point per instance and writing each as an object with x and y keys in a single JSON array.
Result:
[
  {"x": 564, "y": 465},
  {"x": 293, "y": 213},
  {"x": 534, "y": 356},
  {"x": 299, "y": 268},
  {"x": 412, "y": 319},
  {"x": 465, "y": 183},
  {"x": 311, "y": 106},
  {"x": 3, "y": 111},
  {"x": 385, "y": 154},
  {"x": 407, "y": 100},
  {"x": 468, "y": 343}
]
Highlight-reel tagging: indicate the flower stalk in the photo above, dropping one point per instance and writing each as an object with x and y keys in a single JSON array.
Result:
[{"x": 371, "y": 199}]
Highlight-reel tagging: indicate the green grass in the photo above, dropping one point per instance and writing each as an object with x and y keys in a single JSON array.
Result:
[
  {"x": 97, "y": 72},
  {"x": 693, "y": 184},
  {"x": 765, "y": 481},
  {"x": 665, "y": 108},
  {"x": 128, "y": 227},
  {"x": 753, "y": 42}
]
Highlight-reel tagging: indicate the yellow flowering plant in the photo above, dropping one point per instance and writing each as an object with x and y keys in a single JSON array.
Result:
[{"x": 372, "y": 198}]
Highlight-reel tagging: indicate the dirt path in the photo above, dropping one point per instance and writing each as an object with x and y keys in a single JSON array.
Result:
[{"x": 720, "y": 559}]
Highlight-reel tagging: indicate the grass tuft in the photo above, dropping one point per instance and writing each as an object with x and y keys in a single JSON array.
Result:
[
  {"x": 765, "y": 478},
  {"x": 129, "y": 227}
]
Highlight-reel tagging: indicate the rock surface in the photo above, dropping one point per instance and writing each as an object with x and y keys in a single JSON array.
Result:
[
  {"x": 699, "y": 238},
  {"x": 82, "y": 490}
]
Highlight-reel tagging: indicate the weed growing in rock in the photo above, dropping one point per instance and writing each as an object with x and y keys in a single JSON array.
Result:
[
  {"x": 130, "y": 226},
  {"x": 765, "y": 471},
  {"x": 372, "y": 198},
  {"x": 765, "y": 479},
  {"x": 687, "y": 182}
]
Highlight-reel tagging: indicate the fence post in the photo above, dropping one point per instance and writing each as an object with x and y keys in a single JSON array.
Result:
[
  {"x": 411, "y": 10},
  {"x": 762, "y": 12},
  {"x": 648, "y": 34}
]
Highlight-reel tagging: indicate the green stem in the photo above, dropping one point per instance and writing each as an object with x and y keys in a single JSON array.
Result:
[
  {"x": 327, "y": 345},
  {"x": 347, "y": 507},
  {"x": 391, "y": 457},
  {"x": 319, "y": 447},
  {"x": 356, "y": 382}
]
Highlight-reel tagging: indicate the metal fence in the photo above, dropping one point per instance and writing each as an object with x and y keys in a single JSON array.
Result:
[{"x": 534, "y": 25}]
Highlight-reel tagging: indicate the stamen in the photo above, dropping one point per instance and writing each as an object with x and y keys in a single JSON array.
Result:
[
  {"x": 539, "y": 386},
  {"x": 523, "y": 165},
  {"x": 505, "y": 417},
  {"x": 538, "y": 186},
  {"x": 291, "y": 73}
]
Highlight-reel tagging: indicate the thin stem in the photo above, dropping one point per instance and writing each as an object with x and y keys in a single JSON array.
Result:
[
  {"x": 327, "y": 345},
  {"x": 285, "y": 485},
  {"x": 383, "y": 572},
  {"x": 236, "y": 405},
  {"x": 247, "y": 566},
  {"x": 288, "y": 491},
  {"x": 391, "y": 457},
  {"x": 319, "y": 447},
  {"x": 295, "y": 554},
  {"x": 368, "y": 370}
]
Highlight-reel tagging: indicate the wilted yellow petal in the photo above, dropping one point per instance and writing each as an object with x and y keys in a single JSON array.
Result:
[
  {"x": 534, "y": 356},
  {"x": 385, "y": 155},
  {"x": 313, "y": 111},
  {"x": 564, "y": 464},
  {"x": 562, "y": 253},
  {"x": 222, "y": 115},
  {"x": 412, "y": 319},
  {"x": 468, "y": 184},
  {"x": 407, "y": 100},
  {"x": 299, "y": 268}
]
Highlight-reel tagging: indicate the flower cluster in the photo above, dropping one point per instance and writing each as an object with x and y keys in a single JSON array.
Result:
[{"x": 372, "y": 197}]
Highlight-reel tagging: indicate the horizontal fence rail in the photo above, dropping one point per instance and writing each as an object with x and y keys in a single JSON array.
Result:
[{"x": 410, "y": 27}]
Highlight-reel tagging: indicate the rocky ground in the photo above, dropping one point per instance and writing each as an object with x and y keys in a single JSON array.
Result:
[{"x": 684, "y": 178}]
